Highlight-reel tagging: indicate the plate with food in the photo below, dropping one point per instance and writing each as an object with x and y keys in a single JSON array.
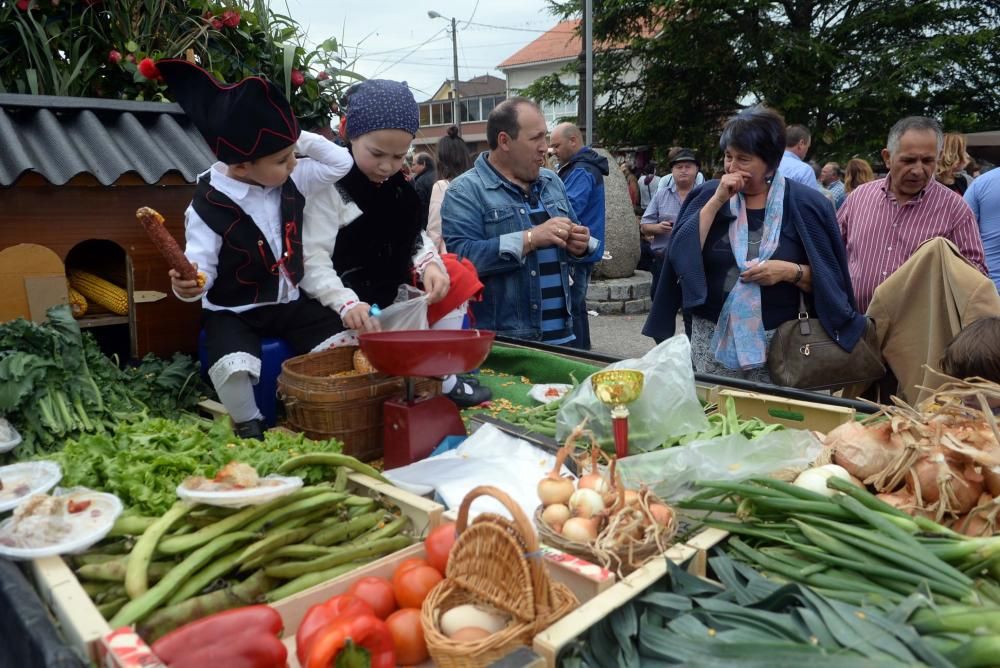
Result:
[
  {"x": 546, "y": 393},
  {"x": 237, "y": 485},
  {"x": 9, "y": 437},
  {"x": 69, "y": 522},
  {"x": 19, "y": 481}
]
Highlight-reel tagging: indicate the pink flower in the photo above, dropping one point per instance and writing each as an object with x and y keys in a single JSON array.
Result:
[
  {"x": 230, "y": 18},
  {"x": 114, "y": 57},
  {"x": 216, "y": 24},
  {"x": 130, "y": 58},
  {"x": 297, "y": 78},
  {"x": 23, "y": 5},
  {"x": 322, "y": 76}
]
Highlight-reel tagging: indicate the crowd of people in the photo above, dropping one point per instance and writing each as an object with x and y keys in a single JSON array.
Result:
[{"x": 304, "y": 238}]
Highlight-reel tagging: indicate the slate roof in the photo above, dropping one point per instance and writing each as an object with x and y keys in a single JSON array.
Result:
[{"x": 62, "y": 137}]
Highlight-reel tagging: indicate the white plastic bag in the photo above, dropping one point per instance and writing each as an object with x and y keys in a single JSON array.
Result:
[
  {"x": 668, "y": 405},
  {"x": 409, "y": 311},
  {"x": 671, "y": 472}
]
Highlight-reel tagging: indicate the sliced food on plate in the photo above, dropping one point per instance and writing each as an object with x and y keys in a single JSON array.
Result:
[
  {"x": 45, "y": 525},
  {"x": 20, "y": 481},
  {"x": 236, "y": 484}
]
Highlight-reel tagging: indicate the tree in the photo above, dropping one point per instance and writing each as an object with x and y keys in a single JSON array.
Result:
[
  {"x": 672, "y": 71},
  {"x": 93, "y": 48}
]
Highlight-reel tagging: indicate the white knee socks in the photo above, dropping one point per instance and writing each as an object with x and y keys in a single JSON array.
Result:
[{"x": 236, "y": 395}]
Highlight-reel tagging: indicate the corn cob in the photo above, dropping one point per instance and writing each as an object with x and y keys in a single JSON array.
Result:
[
  {"x": 77, "y": 302},
  {"x": 153, "y": 223},
  {"x": 100, "y": 291}
]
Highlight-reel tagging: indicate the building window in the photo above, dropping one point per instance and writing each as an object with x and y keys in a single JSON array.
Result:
[
  {"x": 470, "y": 110},
  {"x": 425, "y": 115},
  {"x": 554, "y": 112}
]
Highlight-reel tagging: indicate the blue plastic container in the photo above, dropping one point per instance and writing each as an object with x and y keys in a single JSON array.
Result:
[{"x": 274, "y": 352}]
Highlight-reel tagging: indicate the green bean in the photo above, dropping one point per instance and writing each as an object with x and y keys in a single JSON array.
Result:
[
  {"x": 131, "y": 525},
  {"x": 274, "y": 540},
  {"x": 280, "y": 513},
  {"x": 339, "y": 556},
  {"x": 354, "y": 527},
  {"x": 111, "y": 608},
  {"x": 142, "y": 606},
  {"x": 385, "y": 531},
  {"x": 340, "y": 479},
  {"x": 84, "y": 559},
  {"x": 117, "y": 570},
  {"x": 309, "y": 580},
  {"x": 95, "y": 587},
  {"x": 286, "y": 553},
  {"x": 115, "y": 591},
  {"x": 203, "y": 578},
  {"x": 357, "y": 511},
  {"x": 331, "y": 459},
  {"x": 136, "y": 579}
]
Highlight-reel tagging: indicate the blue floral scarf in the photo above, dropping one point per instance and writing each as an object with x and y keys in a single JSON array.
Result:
[{"x": 739, "y": 341}]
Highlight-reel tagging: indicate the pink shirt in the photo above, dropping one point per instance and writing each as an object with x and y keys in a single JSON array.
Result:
[{"x": 881, "y": 234}]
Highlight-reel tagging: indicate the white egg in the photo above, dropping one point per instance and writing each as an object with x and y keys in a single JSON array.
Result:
[{"x": 462, "y": 616}]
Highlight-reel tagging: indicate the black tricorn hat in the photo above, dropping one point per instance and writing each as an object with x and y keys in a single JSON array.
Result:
[{"x": 241, "y": 121}]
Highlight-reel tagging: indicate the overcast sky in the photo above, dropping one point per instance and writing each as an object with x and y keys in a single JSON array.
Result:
[{"x": 395, "y": 39}]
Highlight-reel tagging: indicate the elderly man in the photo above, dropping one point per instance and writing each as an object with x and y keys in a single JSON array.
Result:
[
  {"x": 832, "y": 178},
  {"x": 582, "y": 169},
  {"x": 884, "y": 221},
  {"x": 513, "y": 220},
  {"x": 659, "y": 217},
  {"x": 424, "y": 176},
  {"x": 797, "y": 141}
]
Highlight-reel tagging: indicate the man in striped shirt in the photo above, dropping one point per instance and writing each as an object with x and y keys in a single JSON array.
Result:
[{"x": 884, "y": 221}]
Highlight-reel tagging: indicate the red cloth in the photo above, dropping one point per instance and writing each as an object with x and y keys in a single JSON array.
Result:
[{"x": 465, "y": 285}]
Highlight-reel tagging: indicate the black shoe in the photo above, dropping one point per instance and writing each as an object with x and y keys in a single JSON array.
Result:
[
  {"x": 250, "y": 429},
  {"x": 466, "y": 395},
  {"x": 470, "y": 379}
]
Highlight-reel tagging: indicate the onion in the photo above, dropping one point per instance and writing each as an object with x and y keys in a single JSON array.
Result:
[
  {"x": 902, "y": 500},
  {"x": 934, "y": 473},
  {"x": 554, "y": 488},
  {"x": 593, "y": 480},
  {"x": 991, "y": 477},
  {"x": 631, "y": 497},
  {"x": 555, "y": 515},
  {"x": 581, "y": 530},
  {"x": 661, "y": 513},
  {"x": 863, "y": 451},
  {"x": 585, "y": 503},
  {"x": 814, "y": 479}
]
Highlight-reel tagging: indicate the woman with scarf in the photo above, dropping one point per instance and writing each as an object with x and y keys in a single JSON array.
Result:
[{"x": 744, "y": 248}]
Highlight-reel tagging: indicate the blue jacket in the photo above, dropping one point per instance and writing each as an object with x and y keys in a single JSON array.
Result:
[
  {"x": 682, "y": 281},
  {"x": 483, "y": 218},
  {"x": 584, "y": 175}
]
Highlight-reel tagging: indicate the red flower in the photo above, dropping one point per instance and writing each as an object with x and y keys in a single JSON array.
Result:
[
  {"x": 23, "y": 5},
  {"x": 114, "y": 57},
  {"x": 297, "y": 78},
  {"x": 216, "y": 24},
  {"x": 148, "y": 69},
  {"x": 322, "y": 76},
  {"x": 230, "y": 18}
]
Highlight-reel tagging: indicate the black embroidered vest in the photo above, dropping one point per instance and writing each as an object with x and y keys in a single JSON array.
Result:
[
  {"x": 374, "y": 254},
  {"x": 248, "y": 272}
]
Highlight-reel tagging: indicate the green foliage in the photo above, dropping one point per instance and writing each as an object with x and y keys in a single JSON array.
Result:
[
  {"x": 92, "y": 48},
  {"x": 847, "y": 70}
]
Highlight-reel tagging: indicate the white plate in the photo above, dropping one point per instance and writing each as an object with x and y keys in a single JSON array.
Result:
[
  {"x": 538, "y": 392},
  {"x": 22, "y": 480},
  {"x": 89, "y": 526},
  {"x": 15, "y": 438},
  {"x": 237, "y": 498}
]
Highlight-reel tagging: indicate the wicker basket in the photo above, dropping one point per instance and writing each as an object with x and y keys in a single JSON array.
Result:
[
  {"x": 348, "y": 408},
  {"x": 494, "y": 561},
  {"x": 623, "y": 560}
]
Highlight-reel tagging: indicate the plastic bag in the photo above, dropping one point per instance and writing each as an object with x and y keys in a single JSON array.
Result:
[
  {"x": 671, "y": 472},
  {"x": 668, "y": 405},
  {"x": 409, "y": 311}
]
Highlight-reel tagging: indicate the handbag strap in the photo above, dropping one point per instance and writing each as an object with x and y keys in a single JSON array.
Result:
[{"x": 804, "y": 327}]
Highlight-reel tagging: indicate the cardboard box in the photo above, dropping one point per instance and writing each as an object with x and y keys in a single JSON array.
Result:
[
  {"x": 84, "y": 627},
  {"x": 789, "y": 412}
]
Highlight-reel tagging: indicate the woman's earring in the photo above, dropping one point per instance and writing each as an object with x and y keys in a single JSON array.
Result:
[{"x": 769, "y": 179}]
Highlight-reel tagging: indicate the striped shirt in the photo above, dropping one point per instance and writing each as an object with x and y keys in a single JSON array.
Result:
[
  {"x": 555, "y": 329},
  {"x": 881, "y": 234}
]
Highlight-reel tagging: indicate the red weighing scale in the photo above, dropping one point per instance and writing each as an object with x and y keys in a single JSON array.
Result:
[{"x": 414, "y": 426}]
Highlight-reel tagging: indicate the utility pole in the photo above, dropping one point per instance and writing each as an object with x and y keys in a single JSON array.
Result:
[
  {"x": 454, "y": 88},
  {"x": 585, "y": 75}
]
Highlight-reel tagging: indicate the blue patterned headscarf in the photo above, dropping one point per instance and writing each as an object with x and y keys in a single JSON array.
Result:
[{"x": 380, "y": 104}]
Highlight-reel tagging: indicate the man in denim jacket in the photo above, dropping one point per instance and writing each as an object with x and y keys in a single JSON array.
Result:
[{"x": 512, "y": 219}]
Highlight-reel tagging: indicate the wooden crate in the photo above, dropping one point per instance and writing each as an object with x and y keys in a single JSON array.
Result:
[
  {"x": 84, "y": 626},
  {"x": 552, "y": 640},
  {"x": 789, "y": 412}
]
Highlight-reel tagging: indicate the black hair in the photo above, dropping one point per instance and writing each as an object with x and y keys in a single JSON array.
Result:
[
  {"x": 975, "y": 352},
  {"x": 759, "y": 131},
  {"x": 795, "y": 134},
  {"x": 424, "y": 159},
  {"x": 453, "y": 155},
  {"x": 503, "y": 118}
]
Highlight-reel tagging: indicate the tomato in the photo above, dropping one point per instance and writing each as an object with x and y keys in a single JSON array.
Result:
[
  {"x": 408, "y": 636},
  {"x": 412, "y": 585},
  {"x": 377, "y": 592},
  {"x": 438, "y": 546},
  {"x": 407, "y": 564}
]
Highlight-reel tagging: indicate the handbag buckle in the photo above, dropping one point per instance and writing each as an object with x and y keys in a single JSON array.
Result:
[{"x": 805, "y": 350}]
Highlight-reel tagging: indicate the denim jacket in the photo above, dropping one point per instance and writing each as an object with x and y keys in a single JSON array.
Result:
[{"x": 482, "y": 218}]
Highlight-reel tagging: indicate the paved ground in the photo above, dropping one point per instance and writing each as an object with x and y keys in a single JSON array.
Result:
[{"x": 619, "y": 335}]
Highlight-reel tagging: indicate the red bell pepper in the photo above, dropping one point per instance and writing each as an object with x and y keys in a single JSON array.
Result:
[
  {"x": 322, "y": 615},
  {"x": 211, "y": 640},
  {"x": 367, "y": 632}
]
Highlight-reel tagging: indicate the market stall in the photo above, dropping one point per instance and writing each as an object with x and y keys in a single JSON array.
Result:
[{"x": 600, "y": 512}]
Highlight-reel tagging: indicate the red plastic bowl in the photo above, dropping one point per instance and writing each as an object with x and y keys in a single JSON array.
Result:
[{"x": 427, "y": 352}]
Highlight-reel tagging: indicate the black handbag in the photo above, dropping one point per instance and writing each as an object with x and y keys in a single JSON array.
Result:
[{"x": 802, "y": 355}]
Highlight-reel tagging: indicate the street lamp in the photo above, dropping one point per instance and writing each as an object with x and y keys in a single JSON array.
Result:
[{"x": 456, "y": 112}]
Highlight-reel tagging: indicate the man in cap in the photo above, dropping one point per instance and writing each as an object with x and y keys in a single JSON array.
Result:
[{"x": 659, "y": 217}]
